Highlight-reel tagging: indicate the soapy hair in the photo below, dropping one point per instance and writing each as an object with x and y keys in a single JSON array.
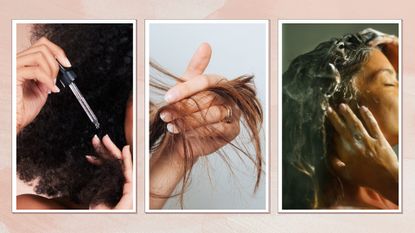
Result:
[{"x": 314, "y": 81}]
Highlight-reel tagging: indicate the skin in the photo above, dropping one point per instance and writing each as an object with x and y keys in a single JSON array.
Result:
[
  {"x": 37, "y": 70},
  {"x": 167, "y": 167},
  {"x": 364, "y": 155}
]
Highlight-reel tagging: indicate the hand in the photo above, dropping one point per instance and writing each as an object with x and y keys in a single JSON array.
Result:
[
  {"x": 107, "y": 147},
  {"x": 390, "y": 46},
  {"x": 212, "y": 122},
  {"x": 364, "y": 158},
  {"x": 37, "y": 70},
  {"x": 167, "y": 171}
]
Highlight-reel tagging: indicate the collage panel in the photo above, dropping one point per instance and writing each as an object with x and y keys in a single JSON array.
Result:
[
  {"x": 206, "y": 116},
  {"x": 74, "y": 116},
  {"x": 340, "y": 116}
]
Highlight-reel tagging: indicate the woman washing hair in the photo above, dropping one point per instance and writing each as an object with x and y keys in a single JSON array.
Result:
[{"x": 340, "y": 122}]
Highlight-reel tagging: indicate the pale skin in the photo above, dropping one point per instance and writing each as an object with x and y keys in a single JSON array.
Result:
[
  {"x": 167, "y": 167},
  {"x": 37, "y": 70},
  {"x": 364, "y": 155}
]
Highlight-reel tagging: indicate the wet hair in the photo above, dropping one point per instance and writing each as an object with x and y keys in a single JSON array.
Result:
[
  {"x": 314, "y": 81},
  {"x": 51, "y": 150},
  {"x": 239, "y": 93}
]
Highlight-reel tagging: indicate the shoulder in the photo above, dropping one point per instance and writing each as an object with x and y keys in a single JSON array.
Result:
[{"x": 31, "y": 201}]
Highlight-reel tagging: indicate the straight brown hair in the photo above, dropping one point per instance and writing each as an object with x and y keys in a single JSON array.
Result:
[{"x": 239, "y": 93}]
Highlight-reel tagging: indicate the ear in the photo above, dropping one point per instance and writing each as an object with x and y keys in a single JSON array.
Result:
[{"x": 199, "y": 62}]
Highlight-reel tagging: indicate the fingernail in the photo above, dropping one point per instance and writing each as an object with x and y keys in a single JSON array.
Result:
[
  {"x": 172, "y": 128},
  {"x": 329, "y": 109},
  {"x": 49, "y": 92},
  {"x": 91, "y": 157},
  {"x": 364, "y": 108},
  {"x": 165, "y": 116},
  {"x": 170, "y": 96},
  {"x": 66, "y": 62},
  {"x": 340, "y": 163},
  {"x": 56, "y": 89},
  {"x": 343, "y": 107},
  {"x": 54, "y": 81}
]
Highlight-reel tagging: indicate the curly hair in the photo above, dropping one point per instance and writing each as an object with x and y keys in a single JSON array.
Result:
[
  {"x": 314, "y": 81},
  {"x": 52, "y": 149}
]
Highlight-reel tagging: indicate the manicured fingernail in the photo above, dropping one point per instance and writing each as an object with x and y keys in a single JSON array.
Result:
[
  {"x": 343, "y": 107},
  {"x": 66, "y": 62},
  {"x": 165, "y": 116},
  {"x": 106, "y": 136},
  {"x": 172, "y": 128},
  {"x": 170, "y": 96},
  {"x": 329, "y": 109},
  {"x": 90, "y": 157},
  {"x": 56, "y": 89},
  {"x": 95, "y": 139}
]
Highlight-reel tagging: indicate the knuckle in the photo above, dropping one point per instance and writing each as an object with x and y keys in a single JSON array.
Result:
[
  {"x": 38, "y": 55},
  {"x": 43, "y": 39}
]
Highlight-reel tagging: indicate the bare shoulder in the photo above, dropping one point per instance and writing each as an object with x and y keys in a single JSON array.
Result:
[{"x": 31, "y": 201}]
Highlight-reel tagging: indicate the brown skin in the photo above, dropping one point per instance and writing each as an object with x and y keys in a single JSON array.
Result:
[
  {"x": 364, "y": 148},
  {"x": 379, "y": 91}
]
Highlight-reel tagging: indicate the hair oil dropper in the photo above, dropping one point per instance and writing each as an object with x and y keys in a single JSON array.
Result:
[{"x": 67, "y": 79}]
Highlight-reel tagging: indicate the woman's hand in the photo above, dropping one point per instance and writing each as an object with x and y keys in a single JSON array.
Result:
[
  {"x": 389, "y": 44},
  {"x": 37, "y": 69},
  {"x": 212, "y": 118},
  {"x": 107, "y": 147},
  {"x": 364, "y": 158},
  {"x": 211, "y": 121}
]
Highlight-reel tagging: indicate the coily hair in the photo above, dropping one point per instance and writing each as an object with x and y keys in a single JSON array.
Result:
[
  {"x": 314, "y": 81},
  {"x": 51, "y": 150},
  {"x": 239, "y": 92}
]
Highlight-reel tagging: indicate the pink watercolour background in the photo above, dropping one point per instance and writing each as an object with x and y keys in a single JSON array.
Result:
[{"x": 216, "y": 9}]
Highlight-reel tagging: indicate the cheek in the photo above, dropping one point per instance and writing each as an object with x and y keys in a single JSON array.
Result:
[
  {"x": 385, "y": 108},
  {"x": 128, "y": 125}
]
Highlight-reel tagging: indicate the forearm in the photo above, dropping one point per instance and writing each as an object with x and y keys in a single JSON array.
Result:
[{"x": 166, "y": 171}]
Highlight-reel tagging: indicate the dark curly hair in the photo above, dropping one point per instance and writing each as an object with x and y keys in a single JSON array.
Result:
[
  {"x": 312, "y": 82},
  {"x": 52, "y": 149}
]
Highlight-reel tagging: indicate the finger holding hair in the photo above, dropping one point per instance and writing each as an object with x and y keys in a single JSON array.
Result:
[
  {"x": 371, "y": 123},
  {"x": 352, "y": 121},
  {"x": 214, "y": 114},
  {"x": 127, "y": 164},
  {"x": 196, "y": 103},
  {"x": 111, "y": 147},
  {"x": 191, "y": 87},
  {"x": 337, "y": 123}
]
